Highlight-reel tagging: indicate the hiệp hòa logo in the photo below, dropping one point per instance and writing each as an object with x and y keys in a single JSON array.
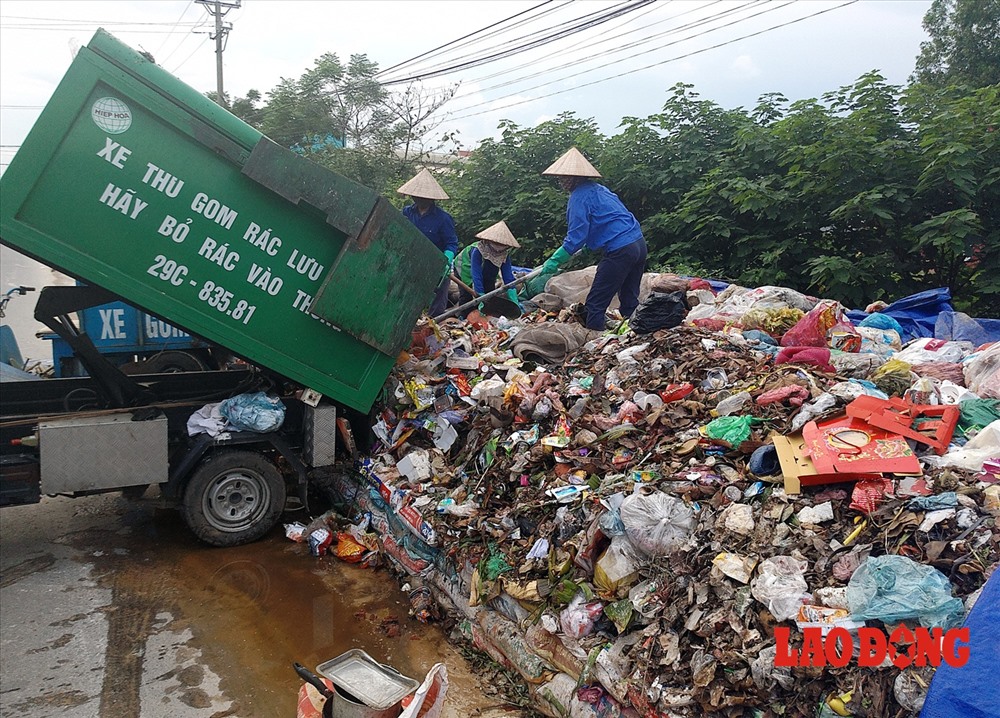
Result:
[
  {"x": 903, "y": 647},
  {"x": 111, "y": 115}
]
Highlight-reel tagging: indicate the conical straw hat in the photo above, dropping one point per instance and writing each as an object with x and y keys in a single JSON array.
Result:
[
  {"x": 572, "y": 164},
  {"x": 500, "y": 234},
  {"x": 423, "y": 185}
]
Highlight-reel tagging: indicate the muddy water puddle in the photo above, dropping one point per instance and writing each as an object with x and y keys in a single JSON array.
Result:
[{"x": 255, "y": 610}]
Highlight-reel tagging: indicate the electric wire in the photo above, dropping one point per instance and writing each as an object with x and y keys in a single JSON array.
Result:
[
  {"x": 184, "y": 61},
  {"x": 174, "y": 28},
  {"x": 527, "y": 41},
  {"x": 433, "y": 51},
  {"x": 501, "y": 32},
  {"x": 622, "y": 48},
  {"x": 646, "y": 67},
  {"x": 539, "y": 42},
  {"x": 611, "y": 38},
  {"x": 618, "y": 61}
]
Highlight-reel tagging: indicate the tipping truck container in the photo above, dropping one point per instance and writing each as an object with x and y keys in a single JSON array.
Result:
[{"x": 147, "y": 192}]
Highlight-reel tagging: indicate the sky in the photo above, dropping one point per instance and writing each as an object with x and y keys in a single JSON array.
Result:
[{"x": 731, "y": 51}]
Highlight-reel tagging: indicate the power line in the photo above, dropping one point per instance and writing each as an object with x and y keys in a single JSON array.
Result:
[
  {"x": 605, "y": 39},
  {"x": 522, "y": 38},
  {"x": 655, "y": 64},
  {"x": 184, "y": 61},
  {"x": 78, "y": 28},
  {"x": 174, "y": 28},
  {"x": 433, "y": 51},
  {"x": 617, "y": 50},
  {"x": 510, "y": 28},
  {"x": 73, "y": 21},
  {"x": 629, "y": 57},
  {"x": 558, "y": 35}
]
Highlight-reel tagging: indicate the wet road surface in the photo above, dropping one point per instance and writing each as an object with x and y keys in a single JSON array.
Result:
[{"x": 110, "y": 609}]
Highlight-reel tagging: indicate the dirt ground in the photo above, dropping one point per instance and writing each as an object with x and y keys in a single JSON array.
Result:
[{"x": 110, "y": 609}]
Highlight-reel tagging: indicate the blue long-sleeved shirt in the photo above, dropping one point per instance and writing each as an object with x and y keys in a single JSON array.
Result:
[
  {"x": 480, "y": 274},
  {"x": 484, "y": 274},
  {"x": 437, "y": 225},
  {"x": 595, "y": 217}
]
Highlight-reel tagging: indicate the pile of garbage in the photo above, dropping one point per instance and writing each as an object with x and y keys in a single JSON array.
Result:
[{"x": 627, "y": 519}]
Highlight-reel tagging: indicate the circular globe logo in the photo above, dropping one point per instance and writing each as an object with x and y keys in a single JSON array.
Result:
[{"x": 111, "y": 115}]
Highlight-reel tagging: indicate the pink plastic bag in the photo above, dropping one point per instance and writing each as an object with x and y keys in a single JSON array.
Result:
[
  {"x": 578, "y": 618},
  {"x": 811, "y": 330}
]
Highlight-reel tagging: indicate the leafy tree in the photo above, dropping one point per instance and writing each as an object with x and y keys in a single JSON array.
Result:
[
  {"x": 342, "y": 117},
  {"x": 965, "y": 44}
]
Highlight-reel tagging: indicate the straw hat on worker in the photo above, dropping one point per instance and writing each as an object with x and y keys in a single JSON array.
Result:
[
  {"x": 572, "y": 164},
  {"x": 424, "y": 186}
]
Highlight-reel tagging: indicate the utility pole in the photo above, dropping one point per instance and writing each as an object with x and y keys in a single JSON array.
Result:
[{"x": 219, "y": 9}]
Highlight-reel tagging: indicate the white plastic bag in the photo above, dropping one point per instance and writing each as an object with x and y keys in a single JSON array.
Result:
[
  {"x": 781, "y": 585},
  {"x": 925, "y": 350},
  {"x": 657, "y": 523},
  {"x": 982, "y": 372},
  {"x": 984, "y": 445},
  {"x": 428, "y": 701}
]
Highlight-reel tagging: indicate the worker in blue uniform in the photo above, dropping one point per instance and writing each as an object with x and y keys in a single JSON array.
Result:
[
  {"x": 479, "y": 264},
  {"x": 597, "y": 219},
  {"x": 436, "y": 224}
]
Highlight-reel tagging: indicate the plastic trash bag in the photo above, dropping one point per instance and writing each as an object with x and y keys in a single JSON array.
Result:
[
  {"x": 781, "y": 585},
  {"x": 616, "y": 570},
  {"x": 982, "y": 372},
  {"x": 893, "y": 588},
  {"x": 254, "y": 412},
  {"x": 657, "y": 523},
  {"x": 877, "y": 320},
  {"x": 428, "y": 701},
  {"x": 578, "y": 618},
  {"x": 659, "y": 311},
  {"x": 924, "y": 351},
  {"x": 811, "y": 330},
  {"x": 971, "y": 457},
  {"x": 734, "y": 430}
]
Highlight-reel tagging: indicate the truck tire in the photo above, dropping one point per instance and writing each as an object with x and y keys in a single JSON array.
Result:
[
  {"x": 233, "y": 497},
  {"x": 172, "y": 363}
]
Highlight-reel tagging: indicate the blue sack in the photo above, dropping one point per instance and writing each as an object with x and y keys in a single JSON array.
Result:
[{"x": 254, "y": 412}]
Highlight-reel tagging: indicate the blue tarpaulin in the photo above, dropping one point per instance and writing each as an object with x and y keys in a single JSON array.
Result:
[
  {"x": 965, "y": 692},
  {"x": 930, "y": 314}
]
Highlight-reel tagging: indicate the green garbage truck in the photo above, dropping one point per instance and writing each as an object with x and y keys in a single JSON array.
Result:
[{"x": 149, "y": 193}]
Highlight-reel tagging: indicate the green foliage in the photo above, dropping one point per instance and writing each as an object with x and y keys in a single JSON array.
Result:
[
  {"x": 871, "y": 192},
  {"x": 340, "y": 116},
  {"x": 965, "y": 44}
]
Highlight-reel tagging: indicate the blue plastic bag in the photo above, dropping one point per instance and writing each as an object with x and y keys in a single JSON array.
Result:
[
  {"x": 892, "y": 588},
  {"x": 254, "y": 412}
]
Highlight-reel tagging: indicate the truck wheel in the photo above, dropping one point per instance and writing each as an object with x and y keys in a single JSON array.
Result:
[
  {"x": 172, "y": 362},
  {"x": 233, "y": 497}
]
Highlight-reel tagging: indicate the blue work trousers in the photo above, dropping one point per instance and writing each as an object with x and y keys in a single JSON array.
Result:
[
  {"x": 619, "y": 272},
  {"x": 440, "y": 302}
]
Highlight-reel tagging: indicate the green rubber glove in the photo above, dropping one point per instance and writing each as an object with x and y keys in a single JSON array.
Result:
[
  {"x": 512, "y": 296},
  {"x": 551, "y": 265},
  {"x": 450, "y": 256}
]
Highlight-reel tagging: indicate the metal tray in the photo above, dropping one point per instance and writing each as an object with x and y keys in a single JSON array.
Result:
[{"x": 376, "y": 685}]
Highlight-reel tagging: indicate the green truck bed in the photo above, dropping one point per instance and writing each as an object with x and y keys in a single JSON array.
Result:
[{"x": 134, "y": 182}]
